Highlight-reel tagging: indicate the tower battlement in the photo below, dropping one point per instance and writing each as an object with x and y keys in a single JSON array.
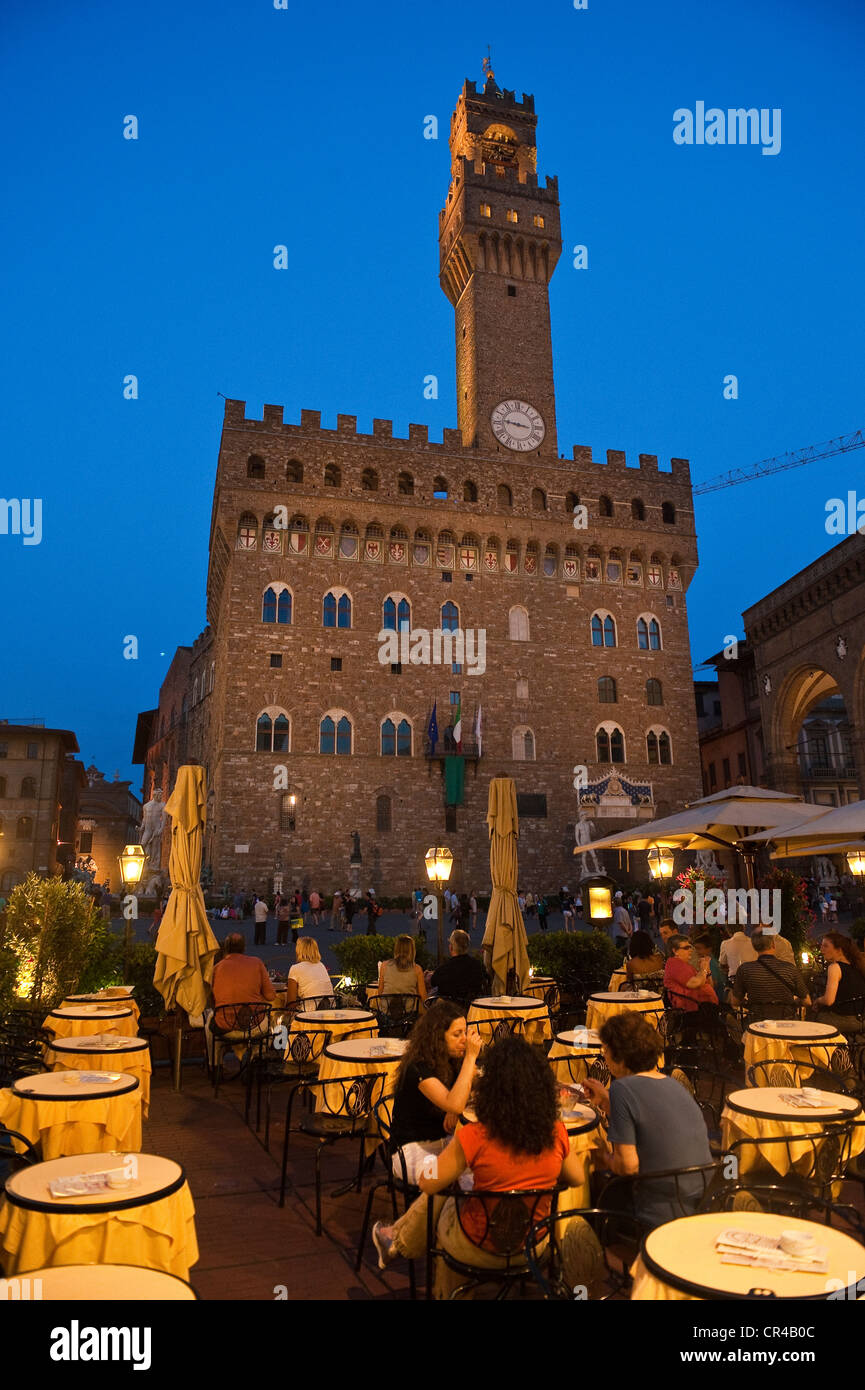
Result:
[{"x": 490, "y": 94}]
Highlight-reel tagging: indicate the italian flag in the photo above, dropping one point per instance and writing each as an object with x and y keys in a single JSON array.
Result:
[{"x": 458, "y": 726}]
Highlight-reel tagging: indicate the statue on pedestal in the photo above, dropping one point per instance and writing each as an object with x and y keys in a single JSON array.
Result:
[
  {"x": 152, "y": 825},
  {"x": 584, "y": 833}
]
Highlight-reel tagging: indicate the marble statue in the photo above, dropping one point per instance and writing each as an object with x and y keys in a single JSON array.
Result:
[
  {"x": 708, "y": 863},
  {"x": 827, "y": 874},
  {"x": 152, "y": 825},
  {"x": 584, "y": 833}
]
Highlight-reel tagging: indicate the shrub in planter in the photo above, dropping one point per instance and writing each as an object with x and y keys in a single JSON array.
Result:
[
  {"x": 589, "y": 956},
  {"x": 51, "y": 928},
  {"x": 359, "y": 956}
]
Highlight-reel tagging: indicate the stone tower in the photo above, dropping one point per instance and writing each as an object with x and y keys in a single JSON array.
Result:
[{"x": 499, "y": 242}]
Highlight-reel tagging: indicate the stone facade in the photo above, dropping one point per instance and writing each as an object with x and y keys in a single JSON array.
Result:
[
  {"x": 109, "y": 817},
  {"x": 301, "y": 512},
  {"x": 40, "y": 783}
]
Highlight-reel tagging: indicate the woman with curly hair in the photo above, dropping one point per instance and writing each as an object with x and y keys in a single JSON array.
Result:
[
  {"x": 433, "y": 1085},
  {"x": 845, "y": 983},
  {"x": 517, "y": 1142}
]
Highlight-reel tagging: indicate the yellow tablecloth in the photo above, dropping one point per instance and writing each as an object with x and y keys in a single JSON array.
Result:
[
  {"x": 344, "y": 1064},
  {"x": 600, "y": 1007},
  {"x": 572, "y": 1054},
  {"x": 583, "y": 1143},
  {"x": 686, "y": 1249},
  {"x": 136, "y": 1061},
  {"x": 125, "y": 1001},
  {"x": 158, "y": 1234},
  {"x": 817, "y": 1043},
  {"x": 360, "y": 1027},
  {"x": 108, "y": 1284},
  {"x": 64, "y": 1026},
  {"x": 76, "y": 1126},
  {"x": 787, "y": 1122},
  {"x": 538, "y": 985},
  {"x": 533, "y": 1011}
]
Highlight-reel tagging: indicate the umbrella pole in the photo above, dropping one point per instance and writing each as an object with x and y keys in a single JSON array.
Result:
[{"x": 178, "y": 1048}]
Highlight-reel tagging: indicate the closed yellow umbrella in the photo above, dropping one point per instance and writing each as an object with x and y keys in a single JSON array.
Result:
[
  {"x": 505, "y": 933},
  {"x": 186, "y": 946}
]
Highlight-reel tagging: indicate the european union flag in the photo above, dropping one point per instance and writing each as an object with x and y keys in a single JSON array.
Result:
[{"x": 432, "y": 730}]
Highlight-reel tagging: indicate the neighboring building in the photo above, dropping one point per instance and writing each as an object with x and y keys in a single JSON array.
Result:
[
  {"x": 324, "y": 539},
  {"x": 108, "y": 819},
  {"x": 40, "y": 783},
  {"x": 161, "y": 740},
  {"x": 728, "y": 720}
]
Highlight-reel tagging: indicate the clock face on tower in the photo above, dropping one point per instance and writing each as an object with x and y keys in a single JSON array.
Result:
[{"x": 517, "y": 425}]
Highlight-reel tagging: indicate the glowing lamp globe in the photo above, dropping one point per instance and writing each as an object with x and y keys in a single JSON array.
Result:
[
  {"x": 439, "y": 862},
  {"x": 132, "y": 862}
]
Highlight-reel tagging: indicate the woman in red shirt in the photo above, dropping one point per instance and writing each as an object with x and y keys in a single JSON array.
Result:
[
  {"x": 517, "y": 1142},
  {"x": 688, "y": 988}
]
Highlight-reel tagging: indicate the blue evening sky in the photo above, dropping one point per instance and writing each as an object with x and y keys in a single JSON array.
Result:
[{"x": 305, "y": 127}]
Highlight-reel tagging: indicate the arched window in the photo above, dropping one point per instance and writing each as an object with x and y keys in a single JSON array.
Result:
[
  {"x": 638, "y": 510},
  {"x": 523, "y": 745},
  {"x": 396, "y": 739},
  {"x": 654, "y": 693},
  {"x": 668, "y": 514},
  {"x": 24, "y": 830},
  {"x": 272, "y": 732},
  {"x": 405, "y": 485},
  {"x": 195, "y": 691},
  {"x": 336, "y": 609},
  {"x": 450, "y": 617},
  {"x": 518, "y": 624},
  {"x": 648, "y": 634},
  {"x": 610, "y": 744},
  {"x": 440, "y": 489},
  {"x": 607, "y": 690},
  {"x": 294, "y": 471},
  {"x": 396, "y": 615},
  {"x": 603, "y": 630},
  {"x": 369, "y": 480},
  {"x": 28, "y": 786},
  {"x": 658, "y": 748},
  {"x": 470, "y": 491},
  {"x": 335, "y": 735},
  {"x": 504, "y": 496},
  {"x": 572, "y": 501},
  {"x": 333, "y": 475},
  {"x": 605, "y": 506},
  {"x": 275, "y": 605},
  {"x": 247, "y": 531},
  {"x": 255, "y": 466},
  {"x": 382, "y": 814},
  {"x": 539, "y": 500}
]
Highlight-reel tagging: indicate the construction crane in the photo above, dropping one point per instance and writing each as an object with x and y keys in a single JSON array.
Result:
[{"x": 796, "y": 458}]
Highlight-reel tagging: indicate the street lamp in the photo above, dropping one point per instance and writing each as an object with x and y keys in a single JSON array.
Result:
[
  {"x": 439, "y": 863},
  {"x": 132, "y": 862},
  {"x": 660, "y": 861},
  {"x": 856, "y": 862}
]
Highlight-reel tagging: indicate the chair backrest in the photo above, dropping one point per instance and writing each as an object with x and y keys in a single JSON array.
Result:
[
  {"x": 583, "y": 1246},
  {"x": 320, "y": 1001},
  {"x": 495, "y": 1026},
  {"x": 240, "y": 1018},
  {"x": 681, "y": 1190},
  {"x": 599, "y": 1071},
  {"x": 351, "y": 1096},
  {"x": 784, "y": 1199},
  {"x": 17, "y": 1154},
  {"x": 773, "y": 1073},
  {"x": 305, "y": 1045},
  {"x": 500, "y": 1222},
  {"x": 817, "y": 1157}
]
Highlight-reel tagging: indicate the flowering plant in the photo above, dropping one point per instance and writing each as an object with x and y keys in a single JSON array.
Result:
[{"x": 797, "y": 919}]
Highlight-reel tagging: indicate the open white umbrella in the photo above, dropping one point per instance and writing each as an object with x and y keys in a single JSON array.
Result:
[{"x": 833, "y": 830}]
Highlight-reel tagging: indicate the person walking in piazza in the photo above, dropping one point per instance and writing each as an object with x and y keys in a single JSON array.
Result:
[
  {"x": 543, "y": 908},
  {"x": 349, "y": 904},
  {"x": 315, "y": 906},
  {"x": 473, "y": 910},
  {"x": 567, "y": 907},
  {"x": 259, "y": 912},
  {"x": 283, "y": 919},
  {"x": 336, "y": 913}
]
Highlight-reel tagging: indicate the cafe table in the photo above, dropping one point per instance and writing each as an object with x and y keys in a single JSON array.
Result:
[
  {"x": 678, "y": 1260},
  {"x": 618, "y": 980},
  {"x": 572, "y": 1053},
  {"x": 533, "y": 1012},
  {"x": 151, "y": 1223},
  {"x": 537, "y": 986},
  {"x": 608, "y": 1004},
  {"x": 116, "y": 995},
  {"x": 792, "y": 1040},
  {"x": 361, "y": 1056},
  {"x": 340, "y": 1023},
  {"x": 65, "y": 1114},
  {"x": 766, "y": 1112},
  {"x": 104, "y": 1052},
  {"x": 583, "y": 1124},
  {"x": 83, "y": 1020},
  {"x": 99, "y": 1283}
]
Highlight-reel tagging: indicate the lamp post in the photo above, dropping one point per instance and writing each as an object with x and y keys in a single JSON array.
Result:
[
  {"x": 660, "y": 860},
  {"x": 131, "y": 862},
  {"x": 856, "y": 865},
  {"x": 439, "y": 862}
]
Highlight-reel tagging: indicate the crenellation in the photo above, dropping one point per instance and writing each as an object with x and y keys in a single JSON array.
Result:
[
  {"x": 616, "y": 459},
  {"x": 382, "y": 429},
  {"x": 272, "y": 415},
  {"x": 346, "y": 424},
  {"x": 310, "y": 419},
  {"x": 583, "y": 453},
  {"x": 418, "y": 434},
  {"x": 649, "y": 462}
]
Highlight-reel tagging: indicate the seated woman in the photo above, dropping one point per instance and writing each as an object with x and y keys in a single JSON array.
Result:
[
  {"x": 655, "y": 1123},
  {"x": 308, "y": 979},
  {"x": 688, "y": 988},
  {"x": 643, "y": 959},
  {"x": 401, "y": 975},
  {"x": 433, "y": 1085},
  {"x": 518, "y": 1141},
  {"x": 844, "y": 995},
  {"x": 703, "y": 947}
]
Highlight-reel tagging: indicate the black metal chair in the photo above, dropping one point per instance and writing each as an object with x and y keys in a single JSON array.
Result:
[
  {"x": 396, "y": 1184},
  {"x": 495, "y": 1026},
  {"x": 776, "y": 1072},
  {"x": 746, "y": 1194},
  {"x": 617, "y": 1234},
  {"x": 297, "y": 1061},
  {"x": 818, "y": 1165},
  {"x": 11, "y": 1157},
  {"x": 345, "y": 1106},
  {"x": 17, "y": 1059},
  {"x": 396, "y": 1014},
  {"x": 321, "y": 1001},
  {"x": 233, "y": 1025},
  {"x": 682, "y": 1189},
  {"x": 497, "y": 1222}
]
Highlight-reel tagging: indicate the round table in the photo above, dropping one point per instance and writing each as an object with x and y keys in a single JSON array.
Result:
[
  {"x": 618, "y": 980},
  {"x": 103, "y": 997},
  {"x": 572, "y": 1053},
  {"x": 583, "y": 1124},
  {"x": 340, "y": 1023},
  {"x": 104, "y": 1053},
  {"x": 105, "y": 1284},
  {"x": 355, "y": 1056},
  {"x": 606, "y": 1005},
  {"x": 150, "y": 1224},
  {"x": 534, "y": 1012},
  {"x": 63, "y": 1118},
  {"x": 537, "y": 987},
  {"x": 763, "y": 1112},
  {"x": 83, "y": 1020},
  {"x": 679, "y": 1261},
  {"x": 792, "y": 1040}
]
